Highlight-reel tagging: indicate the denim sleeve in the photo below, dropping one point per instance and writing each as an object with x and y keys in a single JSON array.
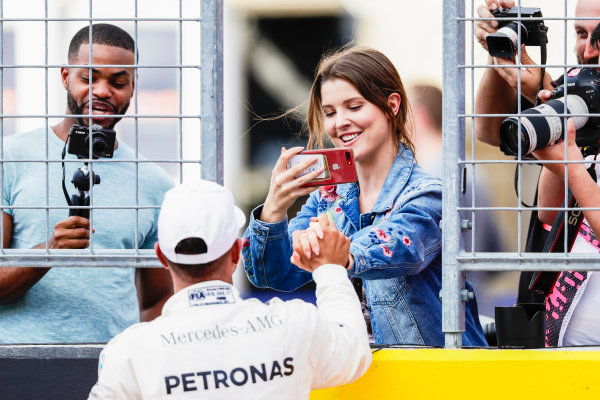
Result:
[
  {"x": 403, "y": 242},
  {"x": 267, "y": 248}
]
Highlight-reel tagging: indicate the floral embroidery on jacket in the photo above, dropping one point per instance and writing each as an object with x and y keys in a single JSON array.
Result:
[
  {"x": 381, "y": 235},
  {"x": 246, "y": 258},
  {"x": 329, "y": 201},
  {"x": 386, "y": 252},
  {"x": 329, "y": 193},
  {"x": 385, "y": 240}
]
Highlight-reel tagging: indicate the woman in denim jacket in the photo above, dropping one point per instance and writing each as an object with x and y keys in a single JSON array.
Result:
[{"x": 391, "y": 214}]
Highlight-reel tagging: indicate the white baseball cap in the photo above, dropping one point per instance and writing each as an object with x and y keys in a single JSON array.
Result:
[{"x": 198, "y": 209}]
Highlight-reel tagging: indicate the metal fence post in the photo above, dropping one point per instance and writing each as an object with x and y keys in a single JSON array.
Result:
[
  {"x": 212, "y": 91},
  {"x": 453, "y": 128}
]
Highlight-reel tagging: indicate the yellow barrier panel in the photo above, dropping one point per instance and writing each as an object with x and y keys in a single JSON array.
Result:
[{"x": 485, "y": 374}]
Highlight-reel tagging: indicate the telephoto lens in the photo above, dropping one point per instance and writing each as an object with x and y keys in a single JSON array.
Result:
[
  {"x": 543, "y": 125},
  {"x": 540, "y": 126}
]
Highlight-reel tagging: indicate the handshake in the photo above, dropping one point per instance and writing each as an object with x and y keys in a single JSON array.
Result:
[{"x": 321, "y": 243}]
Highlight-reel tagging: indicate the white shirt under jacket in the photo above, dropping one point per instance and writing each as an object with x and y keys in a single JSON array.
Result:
[{"x": 211, "y": 344}]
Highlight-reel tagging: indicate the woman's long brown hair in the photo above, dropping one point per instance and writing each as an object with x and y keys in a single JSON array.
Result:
[{"x": 375, "y": 78}]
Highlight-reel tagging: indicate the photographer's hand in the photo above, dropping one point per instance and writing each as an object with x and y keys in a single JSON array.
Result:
[
  {"x": 285, "y": 189},
  {"x": 334, "y": 247},
  {"x": 494, "y": 94},
  {"x": 70, "y": 233},
  {"x": 530, "y": 77},
  {"x": 544, "y": 95},
  {"x": 556, "y": 152},
  {"x": 484, "y": 28}
]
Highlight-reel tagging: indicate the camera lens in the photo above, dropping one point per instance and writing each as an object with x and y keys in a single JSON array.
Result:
[
  {"x": 511, "y": 135},
  {"x": 99, "y": 147},
  {"x": 500, "y": 46},
  {"x": 540, "y": 126},
  {"x": 503, "y": 43},
  {"x": 99, "y": 144}
]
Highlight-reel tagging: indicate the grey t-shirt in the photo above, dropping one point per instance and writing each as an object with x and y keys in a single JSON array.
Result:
[{"x": 76, "y": 304}]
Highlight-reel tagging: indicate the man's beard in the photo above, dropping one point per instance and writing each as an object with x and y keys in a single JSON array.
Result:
[
  {"x": 76, "y": 109},
  {"x": 582, "y": 61}
]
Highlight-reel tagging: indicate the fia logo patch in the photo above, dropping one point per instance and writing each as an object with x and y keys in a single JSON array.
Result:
[{"x": 204, "y": 296}]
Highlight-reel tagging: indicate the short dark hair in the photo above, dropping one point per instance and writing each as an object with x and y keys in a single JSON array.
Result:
[
  {"x": 595, "y": 38},
  {"x": 107, "y": 34},
  {"x": 195, "y": 271}
]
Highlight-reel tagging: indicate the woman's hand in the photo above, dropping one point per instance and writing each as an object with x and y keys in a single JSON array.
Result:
[
  {"x": 308, "y": 241},
  {"x": 581, "y": 184},
  {"x": 334, "y": 249},
  {"x": 285, "y": 189}
]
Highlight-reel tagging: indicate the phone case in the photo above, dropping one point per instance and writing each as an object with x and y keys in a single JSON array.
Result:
[{"x": 339, "y": 167}]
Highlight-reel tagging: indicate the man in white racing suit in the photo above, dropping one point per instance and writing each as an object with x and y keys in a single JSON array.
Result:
[{"x": 209, "y": 342}]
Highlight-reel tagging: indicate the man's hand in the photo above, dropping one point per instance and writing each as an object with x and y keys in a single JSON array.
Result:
[
  {"x": 333, "y": 246},
  {"x": 530, "y": 77},
  {"x": 544, "y": 95},
  {"x": 70, "y": 233},
  {"x": 484, "y": 28}
]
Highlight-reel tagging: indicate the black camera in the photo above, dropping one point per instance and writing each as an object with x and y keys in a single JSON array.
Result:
[
  {"x": 103, "y": 141},
  {"x": 503, "y": 43},
  {"x": 541, "y": 125}
]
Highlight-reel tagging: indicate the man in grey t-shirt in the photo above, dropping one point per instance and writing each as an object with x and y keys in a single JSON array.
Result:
[{"x": 45, "y": 305}]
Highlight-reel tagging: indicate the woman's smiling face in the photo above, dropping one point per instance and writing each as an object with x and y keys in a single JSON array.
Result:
[{"x": 352, "y": 121}]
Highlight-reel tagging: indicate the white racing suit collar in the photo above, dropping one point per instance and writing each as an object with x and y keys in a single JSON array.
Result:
[{"x": 202, "y": 294}]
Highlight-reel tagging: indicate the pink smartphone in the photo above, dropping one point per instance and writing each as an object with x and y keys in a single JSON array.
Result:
[{"x": 338, "y": 165}]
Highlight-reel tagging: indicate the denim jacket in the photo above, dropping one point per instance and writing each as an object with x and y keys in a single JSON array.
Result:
[{"x": 396, "y": 249}]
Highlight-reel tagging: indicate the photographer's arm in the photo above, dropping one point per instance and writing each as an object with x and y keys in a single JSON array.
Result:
[
  {"x": 587, "y": 193},
  {"x": 497, "y": 91},
  {"x": 550, "y": 194},
  {"x": 494, "y": 96},
  {"x": 71, "y": 233},
  {"x": 581, "y": 184}
]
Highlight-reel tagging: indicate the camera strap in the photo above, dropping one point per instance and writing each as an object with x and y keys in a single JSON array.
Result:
[
  {"x": 543, "y": 281},
  {"x": 543, "y": 57},
  {"x": 64, "y": 187},
  {"x": 516, "y": 182}
]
